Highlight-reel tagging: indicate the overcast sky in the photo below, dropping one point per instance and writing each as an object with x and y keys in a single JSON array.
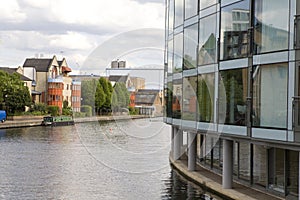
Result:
[{"x": 80, "y": 30}]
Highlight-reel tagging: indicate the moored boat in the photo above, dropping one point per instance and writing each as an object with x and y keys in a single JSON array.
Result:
[{"x": 58, "y": 121}]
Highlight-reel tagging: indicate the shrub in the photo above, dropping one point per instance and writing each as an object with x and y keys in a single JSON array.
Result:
[
  {"x": 53, "y": 110},
  {"x": 40, "y": 107},
  {"x": 133, "y": 111},
  {"x": 87, "y": 110}
]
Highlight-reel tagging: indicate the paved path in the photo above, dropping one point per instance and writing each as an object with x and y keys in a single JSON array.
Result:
[{"x": 213, "y": 182}]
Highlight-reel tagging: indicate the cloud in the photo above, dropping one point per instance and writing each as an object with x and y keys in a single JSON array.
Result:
[
  {"x": 11, "y": 12},
  {"x": 74, "y": 27},
  {"x": 71, "y": 40}
]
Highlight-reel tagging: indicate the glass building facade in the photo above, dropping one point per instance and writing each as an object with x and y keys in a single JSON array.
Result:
[{"x": 232, "y": 74}]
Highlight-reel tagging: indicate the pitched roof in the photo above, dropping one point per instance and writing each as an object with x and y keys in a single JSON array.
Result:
[
  {"x": 121, "y": 79},
  {"x": 146, "y": 96},
  {"x": 40, "y": 64},
  {"x": 14, "y": 70}
]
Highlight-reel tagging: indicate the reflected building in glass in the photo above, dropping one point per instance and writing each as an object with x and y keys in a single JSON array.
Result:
[{"x": 232, "y": 87}]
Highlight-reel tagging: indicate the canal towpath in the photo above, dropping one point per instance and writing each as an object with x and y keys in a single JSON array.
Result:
[{"x": 37, "y": 121}]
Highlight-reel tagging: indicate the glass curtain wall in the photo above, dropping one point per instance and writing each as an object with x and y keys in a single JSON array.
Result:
[
  {"x": 270, "y": 91},
  {"x": 276, "y": 162},
  {"x": 205, "y": 96},
  {"x": 191, "y": 8},
  {"x": 190, "y": 47},
  {"x": 168, "y": 99},
  {"x": 292, "y": 173},
  {"x": 271, "y": 25},
  {"x": 207, "y": 3},
  {"x": 189, "y": 107},
  {"x": 260, "y": 165},
  {"x": 171, "y": 16},
  {"x": 235, "y": 85},
  {"x": 207, "y": 40},
  {"x": 179, "y": 13},
  {"x": 235, "y": 20},
  {"x": 177, "y": 99},
  {"x": 170, "y": 56},
  {"x": 178, "y": 53}
]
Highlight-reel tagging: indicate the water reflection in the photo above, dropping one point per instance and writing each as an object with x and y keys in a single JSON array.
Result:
[{"x": 63, "y": 163}]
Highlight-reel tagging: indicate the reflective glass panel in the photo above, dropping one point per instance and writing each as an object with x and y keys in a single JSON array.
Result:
[
  {"x": 171, "y": 16},
  {"x": 234, "y": 30},
  {"x": 270, "y": 95},
  {"x": 168, "y": 99},
  {"x": 190, "y": 46},
  {"x": 191, "y": 8},
  {"x": 234, "y": 82},
  {"x": 207, "y": 3},
  {"x": 292, "y": 173},
  {"x": 189, "y": 107},
  {"x": 170, "y": 56},
  {"x": 276, "y": 162},
  {"x": 207, "y": 40},
  {"x": 260, "y": 165},
  {"x": 206, "y": 93},
  {"x": 271, "y": 28},
  {"x": 178, "y": 52},
  {"x": 179, "y": 10},
  {"x": 177, "y": 99}
]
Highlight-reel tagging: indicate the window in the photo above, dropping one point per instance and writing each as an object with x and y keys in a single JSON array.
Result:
[
  {"x": 205, "y": 96},
  {"x": 233, "y": 94},
  {"x": 190, "y": 46},
  {"x": 179, "y": 10},
  {"x": 189, "y": 107},
  {"x": 206, "y": 3},
  {"x": 191, "y": 8},
  {"x": 207, "y": 40},
  {"x": 270, "y": 95},
  {"x": 171, "y": 16},
  {"x": 271, "y": 30},
  {"x": 178, "y": 52},
  {"x": 177, "y": 99},
  {"x": 259, "y": 165},
  {"x": 234, "y": 30},
  {"x": 170, "y": 56},
  {"x": 276, "y": 162}
]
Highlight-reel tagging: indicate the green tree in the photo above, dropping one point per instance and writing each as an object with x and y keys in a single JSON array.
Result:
[
  {"x": 107, "y": 89},
  {"x": 14, "y": 94},
  {"x": 88, "y": 90},
  {"x": 100, "y": 97},
  {"x": 120, "y": 97}
]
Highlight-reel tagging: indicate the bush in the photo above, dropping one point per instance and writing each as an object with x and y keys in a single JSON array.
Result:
[
  {"x": 79, "y": 114},
  {"x": 67, "y": 111},
  {"x": 133, "y": 111},
  {"x": 87, "y": 110},
  {"x": 40, "y": 107},
  {"x": 53, "y": 110}
]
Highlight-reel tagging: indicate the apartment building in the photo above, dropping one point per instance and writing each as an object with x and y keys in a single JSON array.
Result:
[{"x": 232, "y": 88}]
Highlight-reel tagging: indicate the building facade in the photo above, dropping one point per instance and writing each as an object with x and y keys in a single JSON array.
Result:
[
  {"x": 52, "y": 82},
  {"x": 232, "y": 87}
]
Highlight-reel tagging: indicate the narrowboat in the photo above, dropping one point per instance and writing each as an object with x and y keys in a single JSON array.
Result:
[{"x": 58, "y": 121}]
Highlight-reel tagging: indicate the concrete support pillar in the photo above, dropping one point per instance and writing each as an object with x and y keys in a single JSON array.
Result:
[
  {"x": 172, "y": 141},
  {"x": 227, "y": 180},
  {"x": 192, "y": 151},
  {"x": 177, "y": 143},
  {"x": 299, "y": 178}
]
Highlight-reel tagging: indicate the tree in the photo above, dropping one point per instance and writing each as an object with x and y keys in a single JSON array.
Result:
[
  {"x": 88, "y": 89},
  {"x": 14, "y": 94},
  {"x": 100, "y": 97},
  {"x": 107, "y": 89},
  {"x": 120, "y": 97}
]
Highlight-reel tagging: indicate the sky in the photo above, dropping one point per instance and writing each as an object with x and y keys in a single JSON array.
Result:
[{"x": 88, "y": 33}]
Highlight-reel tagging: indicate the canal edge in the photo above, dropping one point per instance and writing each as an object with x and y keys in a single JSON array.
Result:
[{"x": 210, "y": 185}]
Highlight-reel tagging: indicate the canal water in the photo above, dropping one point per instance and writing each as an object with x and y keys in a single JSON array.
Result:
[{"x": 96, "y": 160}]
